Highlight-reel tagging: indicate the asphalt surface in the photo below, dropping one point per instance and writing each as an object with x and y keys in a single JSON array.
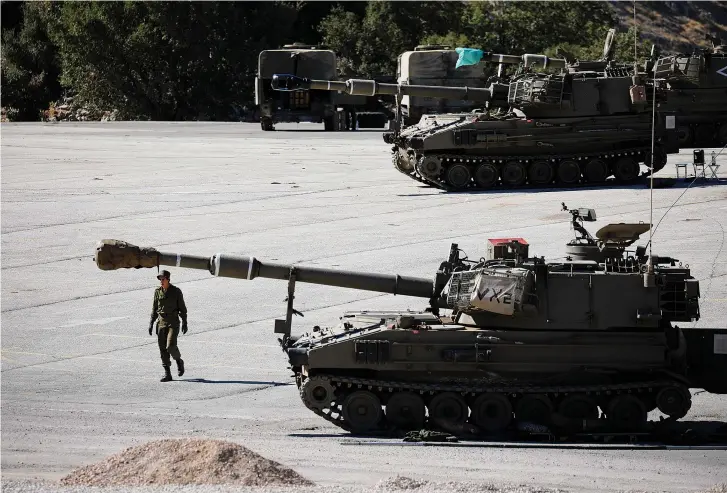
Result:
[{"x": 80, "y": 375}]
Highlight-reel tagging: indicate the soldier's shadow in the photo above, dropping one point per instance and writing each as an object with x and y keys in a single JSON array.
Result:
[{"x": 241, "y": 382}]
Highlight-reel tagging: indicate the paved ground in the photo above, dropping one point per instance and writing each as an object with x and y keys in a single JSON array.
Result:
[{"x": 80, "y": 374}]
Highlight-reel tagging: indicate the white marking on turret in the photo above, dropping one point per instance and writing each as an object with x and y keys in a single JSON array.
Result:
[
  {"x": 217, "y": 264},
  {"x": 723, "y": 71},
  {"x": 179, "y": 259},
  {"x": 249, "y": 267}
]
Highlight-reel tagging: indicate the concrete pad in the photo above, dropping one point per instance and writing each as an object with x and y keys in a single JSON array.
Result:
[{"x": 80, "y": 372}]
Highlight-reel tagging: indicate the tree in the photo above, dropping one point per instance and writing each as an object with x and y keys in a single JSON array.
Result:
[
  {"x": 368, "y": 45},
  {"x": 528, "y": 27},
  {"x": 166, "y": 60},
  {"x": 30, "y": 66}
]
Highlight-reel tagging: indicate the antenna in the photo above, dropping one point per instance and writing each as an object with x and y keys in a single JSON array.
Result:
[
  {"x": 649, "y": 277},
  {"x": 651, "y": 176},
  {"x": 635, "y": 35}
]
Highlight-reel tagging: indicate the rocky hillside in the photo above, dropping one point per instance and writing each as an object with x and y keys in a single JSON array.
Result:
[{"x": 675, "y": 25}]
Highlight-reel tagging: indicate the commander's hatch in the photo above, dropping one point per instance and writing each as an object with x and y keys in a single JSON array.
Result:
[{"x": 621, "y": 234}]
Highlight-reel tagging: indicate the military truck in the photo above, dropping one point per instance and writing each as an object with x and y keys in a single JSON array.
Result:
[
  {"x": 337, "y": 111},
  {"x": 586, "y": 342},
  {"x": 698, "y": 93}
]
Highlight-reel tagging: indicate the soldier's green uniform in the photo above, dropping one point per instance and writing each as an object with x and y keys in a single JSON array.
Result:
[{"x": 168, "y": 308}]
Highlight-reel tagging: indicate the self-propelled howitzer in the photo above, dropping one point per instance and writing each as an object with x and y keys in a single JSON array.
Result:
[
  {"x": 586, "y": 123},
  {"x": 510, "y": 338},
  {"x": 697, "y": 86}
]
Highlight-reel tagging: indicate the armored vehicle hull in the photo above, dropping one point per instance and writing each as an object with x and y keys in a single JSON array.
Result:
[
  {"x": 373, "y": 374},
  {"x": 480, "y": 152},
  {"x": 589, "y": 343}
]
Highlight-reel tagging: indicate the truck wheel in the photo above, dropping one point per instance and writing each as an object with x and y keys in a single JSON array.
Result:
[
  {"x": 329, "y": 123},
  {"x": 266, "y": 124}
]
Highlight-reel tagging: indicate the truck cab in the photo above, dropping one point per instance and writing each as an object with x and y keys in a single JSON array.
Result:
[{"x": 300, "y": 106}]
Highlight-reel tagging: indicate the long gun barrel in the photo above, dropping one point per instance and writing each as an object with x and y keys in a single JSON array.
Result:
[
  {"x": 115, "y": 254},
  {"x": 363, "y": 87}
]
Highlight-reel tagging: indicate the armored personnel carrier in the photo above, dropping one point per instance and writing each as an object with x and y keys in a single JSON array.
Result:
[
  {"x": 586, "y": 123},
  {"x": 589, "y": 342},
  {"x": 698, "y": 94}
]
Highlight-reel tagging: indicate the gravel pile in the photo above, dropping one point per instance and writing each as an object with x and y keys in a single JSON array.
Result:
[{"x": 185, "y": 462}]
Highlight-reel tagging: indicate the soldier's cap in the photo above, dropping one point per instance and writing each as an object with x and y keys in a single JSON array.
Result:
[{"x": 164, "y": 273}]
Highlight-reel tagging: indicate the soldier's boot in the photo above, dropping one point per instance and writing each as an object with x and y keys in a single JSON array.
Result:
[
  {"x": 180, "y": 367},
  {"x": 167, "y": 375}
]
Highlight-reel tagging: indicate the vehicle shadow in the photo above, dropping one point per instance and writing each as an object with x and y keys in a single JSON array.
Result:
[
  {"x": 658, "y": 183},
  {"x": 317, "y": 130},
  {"x": 319, "y": 435},
  {"x": 240, "y": 382}
]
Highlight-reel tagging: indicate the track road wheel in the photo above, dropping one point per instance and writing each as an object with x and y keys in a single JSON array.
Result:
[
  {"x": 430, "y": 166},
  {"x": 626, "y": 169},
  {"x": 659, "y": 159},
  {"x": 492, "y": 412},
  {"x": 513, "y": 173},
  {"x": 541, "y": 173},
  {"x": 448, "y": 407},
  {"x": 578, "y": 406},
  {"x": 317, "y": 392},
  {"x": 486, "y": 175},
  {"x": 569, "y": 172},
  {"x": 674, "y": 401},
  {"x": 626, "y": 411},
  {"x": 684, "y": 135},
  {"x": 362, "y": 411},
  {"x": 458, "y": 175},
  {"x": 329, "y": 123},
  {"x": 406, "y": 410},
  {"x": 596, "y": 171},
  {"x": 534, "y": 408}
]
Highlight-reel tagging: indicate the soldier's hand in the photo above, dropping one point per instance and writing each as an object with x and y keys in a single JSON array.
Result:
[
  {"x": 150, "y": 326},
  {"x": 184, "y": 328}
]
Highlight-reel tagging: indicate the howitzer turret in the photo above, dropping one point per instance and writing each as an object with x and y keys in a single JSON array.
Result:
[
  {"x": 507, "y": 339},
  {"x": 697, "y": 85}
]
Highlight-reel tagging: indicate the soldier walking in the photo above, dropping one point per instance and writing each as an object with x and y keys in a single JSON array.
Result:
[{"x": 169, "y": 307}]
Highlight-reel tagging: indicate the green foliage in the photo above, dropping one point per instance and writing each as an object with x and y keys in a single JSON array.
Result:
[
  {"x": 167, "y": 60},
  {"x": 528, "y": 27},
  {"x": 623, "y": 50},
  {"x": 30, "y": 66},
  {"x": 369, "y": 45}
]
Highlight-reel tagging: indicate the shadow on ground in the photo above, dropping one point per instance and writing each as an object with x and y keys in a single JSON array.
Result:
[{"x": 241, "y": 382}]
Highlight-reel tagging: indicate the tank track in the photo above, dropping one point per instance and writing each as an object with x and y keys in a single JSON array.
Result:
[
  {"x": 344, "y": 386},
  {"x": 472, "y": 161}
]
